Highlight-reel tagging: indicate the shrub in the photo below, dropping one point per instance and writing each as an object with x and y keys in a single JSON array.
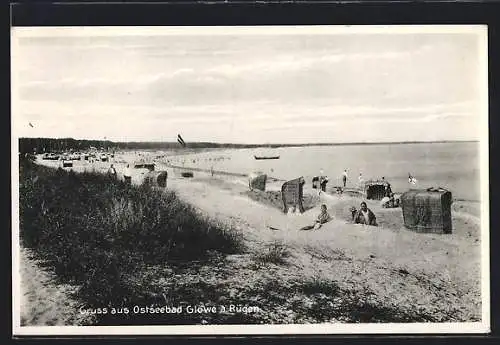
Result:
[
  {"x": 276, "y": 253},
  {"x": 318, "y": 285}
]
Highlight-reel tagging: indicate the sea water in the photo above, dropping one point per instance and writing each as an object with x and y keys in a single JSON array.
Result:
[{"x": 453, "y": 166}]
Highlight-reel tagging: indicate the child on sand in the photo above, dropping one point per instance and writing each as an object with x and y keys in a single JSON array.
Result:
[{"x": 322, "y": 218}]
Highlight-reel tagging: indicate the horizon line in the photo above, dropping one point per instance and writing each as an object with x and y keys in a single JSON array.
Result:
[{"x": 265, "y": 144}]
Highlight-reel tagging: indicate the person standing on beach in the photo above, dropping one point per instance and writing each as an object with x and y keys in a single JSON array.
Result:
[
  {"x": 127, "y": 175},
  {"x": 344, "y": 177},
  {"x": 112, "y": 172},
  {"x": 360, "y": 180},
  {"x": 323, "y": 182},
  {"x": 319, "y": 181}
]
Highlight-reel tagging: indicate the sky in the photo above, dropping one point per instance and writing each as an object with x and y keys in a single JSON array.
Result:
[{"x": 244, "y": 86}]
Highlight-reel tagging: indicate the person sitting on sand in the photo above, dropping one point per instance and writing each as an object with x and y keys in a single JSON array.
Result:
[
  {"x": 396, "y": 200},
  {"x": 385, "y": 202},
  {"x": 365, "y": 216},
  {"x": 353, "y": 211},
  {"x": 389, "y": 201},
  {"x": 322, "y": 218}
]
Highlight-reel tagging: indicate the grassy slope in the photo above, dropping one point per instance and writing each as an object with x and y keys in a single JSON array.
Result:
[{"x": 97, "y": 233}]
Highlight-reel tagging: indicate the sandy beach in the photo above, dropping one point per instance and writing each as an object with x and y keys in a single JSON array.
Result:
[
  {"x": 397, "y": 265},
  {"x": 44, "y": 301}
]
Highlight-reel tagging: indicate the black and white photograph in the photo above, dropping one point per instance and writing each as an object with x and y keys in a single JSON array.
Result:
[{"x": 320, "y": 179}]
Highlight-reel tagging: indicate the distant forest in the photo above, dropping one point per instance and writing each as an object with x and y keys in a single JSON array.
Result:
[{"x": 41, "y": 145}]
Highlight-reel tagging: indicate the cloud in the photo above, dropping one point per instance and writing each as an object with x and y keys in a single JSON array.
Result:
[
  {"x": 396, "y": 77},
  {"x": 298, "y": 62}
]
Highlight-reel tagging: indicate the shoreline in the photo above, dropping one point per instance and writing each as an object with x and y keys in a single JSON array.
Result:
[
  {"x": 199, "y": 160},
  {"x": 273, "y": 184}
]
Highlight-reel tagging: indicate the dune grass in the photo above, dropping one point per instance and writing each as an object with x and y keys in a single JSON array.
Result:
[{"x": 97, "y": 232}]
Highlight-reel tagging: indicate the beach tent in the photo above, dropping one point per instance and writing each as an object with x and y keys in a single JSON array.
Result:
[
  {"x": 144, "y": 165},
  {"x": 292, "y": 194},
  {"x": 375, "y": 189},
  {"x": 156, "y": 178},
  {"x": 67, "y": 163},
  {"x": 257, "y": 180}
]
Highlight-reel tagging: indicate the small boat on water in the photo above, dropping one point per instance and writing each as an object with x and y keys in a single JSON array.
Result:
[
  {"x": 266, "y": 152},
  {"x": 266, "y": 157}
]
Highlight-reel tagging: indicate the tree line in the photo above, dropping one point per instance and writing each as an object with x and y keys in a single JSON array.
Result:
[{"x": 41, "y": 145}]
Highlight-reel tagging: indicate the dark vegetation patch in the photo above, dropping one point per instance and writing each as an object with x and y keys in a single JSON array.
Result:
[{"x": 97, "y": 232}]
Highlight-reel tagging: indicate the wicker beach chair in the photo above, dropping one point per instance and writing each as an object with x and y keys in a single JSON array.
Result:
[{"x": 427, "y": 210}]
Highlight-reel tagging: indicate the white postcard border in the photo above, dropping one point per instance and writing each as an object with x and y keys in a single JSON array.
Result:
[{"x": 388, "y": 328}]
